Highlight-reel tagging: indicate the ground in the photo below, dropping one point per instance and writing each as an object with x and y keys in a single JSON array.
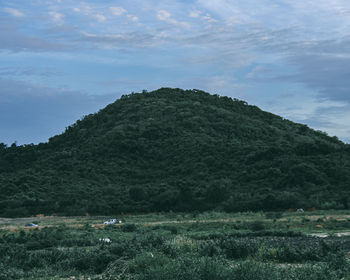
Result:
[{"x": 308, "y": 245}]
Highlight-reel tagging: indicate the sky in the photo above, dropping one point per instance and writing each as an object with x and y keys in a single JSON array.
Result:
[{"x": 63, "y": 59}]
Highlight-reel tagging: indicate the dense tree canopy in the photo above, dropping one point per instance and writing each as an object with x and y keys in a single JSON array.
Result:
[{"x": 180, "y": 150}]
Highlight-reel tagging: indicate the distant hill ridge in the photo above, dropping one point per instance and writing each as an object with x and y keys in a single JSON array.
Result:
[{"x": 180, "y": 150}]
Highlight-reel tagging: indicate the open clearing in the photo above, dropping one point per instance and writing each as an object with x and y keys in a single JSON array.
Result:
[{"x": 316, "y": 223}]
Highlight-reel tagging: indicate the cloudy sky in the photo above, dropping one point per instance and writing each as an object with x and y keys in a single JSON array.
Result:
[{"x": 62, "y": 59}]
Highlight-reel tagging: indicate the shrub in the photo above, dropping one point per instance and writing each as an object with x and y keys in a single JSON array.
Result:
[
  {"x": 172, "y": 229},
  {"x": 188, "y": 268},
  {"x": 7, "y": 273},
  {"x": 129, "y": 228},
  {"x": 273, "y": 215},
  {"x": 257, "y": 225}
]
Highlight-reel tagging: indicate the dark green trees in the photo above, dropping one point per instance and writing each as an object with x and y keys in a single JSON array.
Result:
[{"x": 180, "y": 150}]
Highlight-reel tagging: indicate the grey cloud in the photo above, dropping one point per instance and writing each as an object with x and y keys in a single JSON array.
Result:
[
  {"x": 248, "y": 37},
  {"x": 28, "y": 110},
  {"x": 328, "y": 74},
  {"x": 332, "y": 119},
  {"x": 292, "y": 46},
  {"x": 65, "y": 37},
  {"x": 131, "y": 39},
  {"x": 13, "y": 40},
  {"x": 29, "y": 71},
  {"x": 322, "y": 65}
]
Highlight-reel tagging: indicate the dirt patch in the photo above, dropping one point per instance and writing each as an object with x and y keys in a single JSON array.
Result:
[{"x": 337, "y": 234}]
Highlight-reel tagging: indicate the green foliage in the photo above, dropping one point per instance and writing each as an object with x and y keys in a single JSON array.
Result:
[
  {"x": 172, "y": 251},
  {"x": 179, "y": 150},
  {"x": 257, "y": 225},
  {"x": 129, "y": 228}
]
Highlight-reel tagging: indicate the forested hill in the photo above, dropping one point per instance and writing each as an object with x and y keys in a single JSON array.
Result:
[{"x": 172, "y": 149}]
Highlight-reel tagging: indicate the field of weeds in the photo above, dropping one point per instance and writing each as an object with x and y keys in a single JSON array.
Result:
[{"x": 212, "y": 245}]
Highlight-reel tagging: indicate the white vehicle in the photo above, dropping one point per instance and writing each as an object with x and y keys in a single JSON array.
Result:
[
  {"x": 110, "y": 222},
  {"x": 31, "y": 225},
  {"x": 105, "y": 240}
]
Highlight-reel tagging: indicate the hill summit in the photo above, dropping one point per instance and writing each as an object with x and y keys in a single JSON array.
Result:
[{"x": 180, "y": 150}]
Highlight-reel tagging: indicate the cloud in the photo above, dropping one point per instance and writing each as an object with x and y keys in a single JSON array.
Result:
[
  {"x": 125, "y": 40},
  {"x": 13, "y": 40},
  {"x": 208, "y": 18},
  {"x": 165, "y": 16},
  {"x": 56, "y": 17},
  {"x": 332, "y": 119},
  {"x": 91, "y": 12},
  {"x": 29, "y": 71},
  {"x": 84, "y": 9},
  {"x": 100, "y": 17},
  {"x": 268, "y": 46},
  {"x": 328, "y": 74},
  {"x": 199, "y": 15},
  {"x": 13, "y": 12},
  {"x": 257, "y": 72},
  {"x": 133, "y": 18},
  {"x": 117, "y": 11},
  {"x": 227, "y": 10},
  {"x": 195, "y": 14},
  {"x": 215, "y": 84},
  {"x": 33, "y": 113}
]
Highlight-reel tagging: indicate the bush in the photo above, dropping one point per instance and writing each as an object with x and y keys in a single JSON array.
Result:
[
  {"x": 188, "y": 268},
  {"x": 10, "y": 273},
  {"x": 172, "y": 229},
  {"x": 274, "y": 215},
  {"x": 129, "y": 228},
  {"x": 257, "y": 226}
]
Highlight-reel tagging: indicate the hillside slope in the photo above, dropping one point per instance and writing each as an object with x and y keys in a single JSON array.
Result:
[{"x": 178, "y": 150}]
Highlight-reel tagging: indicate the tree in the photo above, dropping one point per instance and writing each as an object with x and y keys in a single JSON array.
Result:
[{"x": 137, "y": 193}]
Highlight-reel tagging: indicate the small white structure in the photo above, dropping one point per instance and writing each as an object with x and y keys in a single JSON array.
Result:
[
  {"x": 300, "y": 210},
  {"x": 110, "y": 222},
  {"x": 31, "y": 225},
  {"x": 105, "y": 240}
]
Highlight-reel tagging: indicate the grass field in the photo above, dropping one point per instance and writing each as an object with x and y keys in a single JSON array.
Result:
[{"x": 213, "y": 245}]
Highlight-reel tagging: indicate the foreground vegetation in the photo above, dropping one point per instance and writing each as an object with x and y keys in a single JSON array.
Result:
[
  {"x": 179, "y": 150},
  {"x": 179, "y": 246}
]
